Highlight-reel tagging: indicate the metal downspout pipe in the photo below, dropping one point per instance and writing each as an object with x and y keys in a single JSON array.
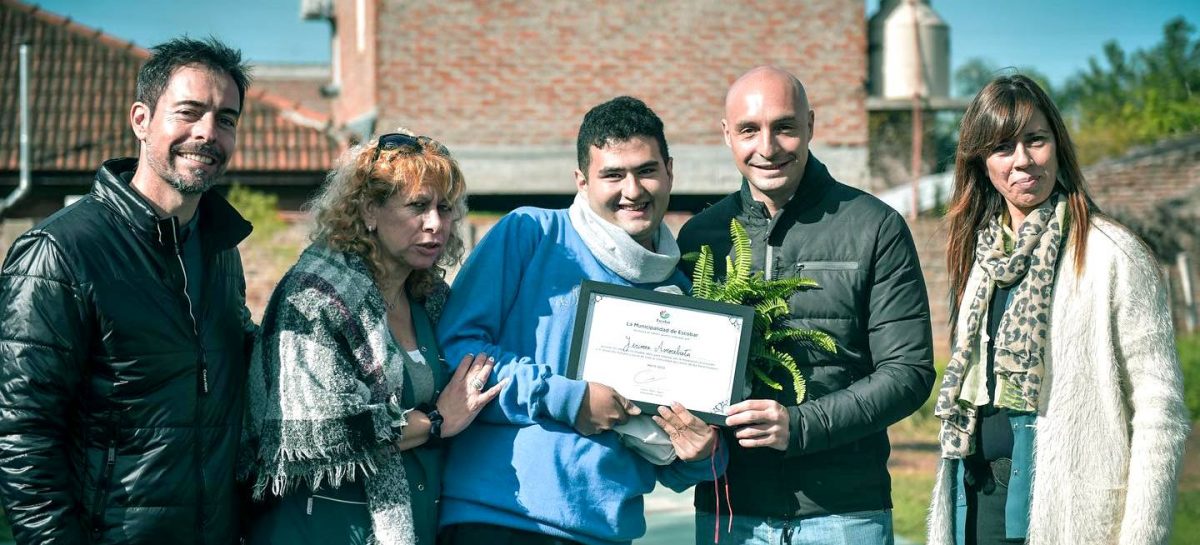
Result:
[{"x": 25, "y": 179}]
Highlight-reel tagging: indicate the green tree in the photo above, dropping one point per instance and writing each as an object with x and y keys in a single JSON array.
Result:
[
  {"x": 259, "y": 208},
  {"x": 1128, "y": 100}
]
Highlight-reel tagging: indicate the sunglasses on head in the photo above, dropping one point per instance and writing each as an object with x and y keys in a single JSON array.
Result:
[{"x": 405, "y": 143}]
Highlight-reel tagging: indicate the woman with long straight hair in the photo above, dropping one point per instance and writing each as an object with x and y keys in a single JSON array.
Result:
[{"x": 1062, "y": 405}]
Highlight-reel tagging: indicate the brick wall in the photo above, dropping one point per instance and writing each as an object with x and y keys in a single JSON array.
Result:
[
  {"x": 266, "y": 259},
  {"x": 1146, "y": 177},
  {"x": 520, "y": 73},
  {"x": 356, "y": 73},
  {"x": 1164, "y": 174},
  {"x": 10, "y": 229},
  {"x": 929, "y": 235}
]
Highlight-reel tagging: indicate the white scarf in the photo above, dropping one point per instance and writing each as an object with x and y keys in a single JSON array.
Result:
[{"x": 613, "y": 247}]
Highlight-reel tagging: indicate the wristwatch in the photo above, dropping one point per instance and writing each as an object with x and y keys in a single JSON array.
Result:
[{"x": 435, "y": 422}]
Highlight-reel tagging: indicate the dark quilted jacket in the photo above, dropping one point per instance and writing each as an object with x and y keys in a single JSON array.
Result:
[
  {"x": 872, "y": 300},
  {"x": 120, "y": 406}
]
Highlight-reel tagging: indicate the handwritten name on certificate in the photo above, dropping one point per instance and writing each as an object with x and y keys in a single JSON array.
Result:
[{"x": 659, "y": 354}]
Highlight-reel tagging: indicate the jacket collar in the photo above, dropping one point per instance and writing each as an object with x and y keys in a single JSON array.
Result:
[
  {"x": 220, "y": 224},
  {"x": 813, "y": 186}
]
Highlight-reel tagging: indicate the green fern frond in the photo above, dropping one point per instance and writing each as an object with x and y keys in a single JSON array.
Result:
[
  {"x": 811, "y": 337},
  {"x": 702, "y": 275},
  {"x": 735, "y": 283},
  {"x": 798, "y": 383},
  {"x": 741, "y": 250},
  {"x": 786, "y": 287},
  {"x": 772, "y": 309},
  {"x": 766, "y": 379},
  {"x": 767, "y": 359}
]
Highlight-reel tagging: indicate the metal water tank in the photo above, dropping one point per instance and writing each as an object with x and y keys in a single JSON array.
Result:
[{"x": 893, "y": 53}]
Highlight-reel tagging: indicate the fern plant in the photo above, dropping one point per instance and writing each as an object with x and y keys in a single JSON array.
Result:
[{"x": 769, "y": 299}]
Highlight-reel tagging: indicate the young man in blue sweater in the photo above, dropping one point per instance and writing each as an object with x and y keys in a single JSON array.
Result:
[{"x": 541, "y": 464}]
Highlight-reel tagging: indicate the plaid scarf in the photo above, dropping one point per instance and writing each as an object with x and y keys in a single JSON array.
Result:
[
  {"x": 322, "y": 377},
  {"x": 1021, "y": 337}
]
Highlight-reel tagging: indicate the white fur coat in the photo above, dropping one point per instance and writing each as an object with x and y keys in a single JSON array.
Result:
[{"x": 1111, "y": 419}]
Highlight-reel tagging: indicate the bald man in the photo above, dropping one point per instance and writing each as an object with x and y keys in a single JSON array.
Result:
[{"x": 815, "y": 472}]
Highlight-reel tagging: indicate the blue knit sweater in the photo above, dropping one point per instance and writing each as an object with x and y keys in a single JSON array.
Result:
[{"x": 522, "y": 464}]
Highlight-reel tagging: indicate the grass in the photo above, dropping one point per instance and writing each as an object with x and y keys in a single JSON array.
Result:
[
  {"x": 912, "y": 476},
  {"x": 1189, "y": 360},
  {"x": 1187, "y": 515},
  {"x": 910, "y": 497},
  {"x": 911, "y": 491},
  {"x": 913, "y": 463}
]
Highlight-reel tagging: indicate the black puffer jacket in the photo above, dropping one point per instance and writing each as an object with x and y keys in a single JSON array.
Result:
[
  {"x": 872, "y": 300},
  {"x": 120, "y": 413}
]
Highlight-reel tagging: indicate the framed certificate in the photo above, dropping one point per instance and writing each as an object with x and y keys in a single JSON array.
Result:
[{"x": 657, "y": 348}]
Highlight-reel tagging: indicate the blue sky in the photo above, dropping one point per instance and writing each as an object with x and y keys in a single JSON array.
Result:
[{"x": 1054, "y": 36}]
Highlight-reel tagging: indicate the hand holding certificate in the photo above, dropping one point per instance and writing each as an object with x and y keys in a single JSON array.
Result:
[{"x": 655, "y": 348}]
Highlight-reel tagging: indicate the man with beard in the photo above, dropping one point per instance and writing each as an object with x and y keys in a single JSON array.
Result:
[
  {"x": 815, "y": 472},
  {"x": 123, "y": 330}
]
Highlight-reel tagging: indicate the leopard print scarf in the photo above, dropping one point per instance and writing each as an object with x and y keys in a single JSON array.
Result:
[{"x": 1021, "y": 337}]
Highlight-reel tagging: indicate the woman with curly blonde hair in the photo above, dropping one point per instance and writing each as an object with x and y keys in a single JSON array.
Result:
[{"x": 349, "y": 394}]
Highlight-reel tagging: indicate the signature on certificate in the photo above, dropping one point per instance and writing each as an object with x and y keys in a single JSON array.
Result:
[{"x": 647, "y": 376}]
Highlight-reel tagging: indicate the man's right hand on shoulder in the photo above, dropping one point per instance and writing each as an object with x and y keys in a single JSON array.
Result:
[{"x": 602, "y": 408}]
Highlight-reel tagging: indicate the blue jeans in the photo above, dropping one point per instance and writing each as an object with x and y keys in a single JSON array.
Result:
[{"x": 858, "y": 528}]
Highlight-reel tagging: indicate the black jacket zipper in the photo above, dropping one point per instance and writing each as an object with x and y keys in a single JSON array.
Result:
[
  {"x": 106, "y": 471},
  {"x": 172, "y": 239}
]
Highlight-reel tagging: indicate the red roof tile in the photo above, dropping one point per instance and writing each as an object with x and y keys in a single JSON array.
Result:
[
  {"x": 82, "y": 83},
  {"x": 300, "y": 84}
]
